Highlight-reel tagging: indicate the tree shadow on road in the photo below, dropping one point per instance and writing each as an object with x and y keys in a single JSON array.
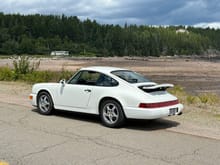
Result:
[{"x": 145, "y": 125}]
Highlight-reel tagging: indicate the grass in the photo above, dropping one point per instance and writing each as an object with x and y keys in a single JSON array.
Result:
[
  {"x": 7, "y": 74},
  {"x": 198, "y": 100},
  {"x": 217, "y": 116},
  {"x": 25, "y": 70},
  {"x": 203, "y": 105}
]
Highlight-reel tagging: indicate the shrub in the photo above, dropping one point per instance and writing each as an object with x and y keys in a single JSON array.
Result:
[
  {"x": 201, "y": 99},
  {"x": 179, "y": 92},
  {"x": 22, "y": 66},
  {"x": 208, "y": 98},
  {"x": 6, "y": 74},
  {"x": 191, "y": 99}
]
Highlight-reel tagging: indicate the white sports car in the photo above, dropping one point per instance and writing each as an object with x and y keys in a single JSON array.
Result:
[{"x": 113, "y": 93}]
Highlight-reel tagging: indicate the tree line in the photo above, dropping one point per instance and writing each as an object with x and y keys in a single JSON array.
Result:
[{"x": 41, "y": 34}]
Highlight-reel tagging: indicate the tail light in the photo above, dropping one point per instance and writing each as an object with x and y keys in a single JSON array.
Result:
[
  {"x": 30, "y": 97},
  {"x": 158, "y": 105}
]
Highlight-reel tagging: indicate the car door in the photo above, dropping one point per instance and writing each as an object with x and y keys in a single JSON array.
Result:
[
  {"x": 74, "y": 96},
  {"x": 76, "y": 93}
]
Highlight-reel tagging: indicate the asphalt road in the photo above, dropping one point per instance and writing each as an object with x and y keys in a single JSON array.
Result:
[{"x": 28, "y": 138}]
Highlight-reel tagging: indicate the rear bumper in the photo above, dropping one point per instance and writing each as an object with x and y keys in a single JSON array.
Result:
[
  {"x": 33, "y": 99},
  {"x": 153, "y": 113}
]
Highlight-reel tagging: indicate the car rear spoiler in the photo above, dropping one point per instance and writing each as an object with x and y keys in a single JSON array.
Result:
[
  {"x": 164, "y": 86},
  {"x": 155, "y": 88}
]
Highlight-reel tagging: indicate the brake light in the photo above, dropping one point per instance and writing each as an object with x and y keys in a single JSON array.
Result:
[{"x": 158, "y": 105}]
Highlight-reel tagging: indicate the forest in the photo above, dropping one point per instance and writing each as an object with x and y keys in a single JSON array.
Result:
[{"x": 40, "y": 34}]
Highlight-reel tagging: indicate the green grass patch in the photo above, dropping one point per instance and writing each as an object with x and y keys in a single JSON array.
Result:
[
  {"x": 7, "y": 74},
  {"x": 217, "y": 116},
  {"x": 209, "y": 98},
  {"x": 25, "y": 70},
  {"x": 199, "y": 99}
]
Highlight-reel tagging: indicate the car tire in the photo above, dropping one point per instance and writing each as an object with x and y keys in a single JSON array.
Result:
[
  {"x": 45, "y": 103},
  {"x": 112, "y": 114}
]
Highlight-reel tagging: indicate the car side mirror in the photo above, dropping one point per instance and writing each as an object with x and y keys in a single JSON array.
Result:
[{"x": 63, "y": 82}]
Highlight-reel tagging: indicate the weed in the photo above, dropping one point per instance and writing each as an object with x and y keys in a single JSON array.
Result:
[
  {"x": 217, "y": 116},
  {"x": 25, "y": 70},
  {"x": 191, "y": 99},
  {"x": 22, "y": 65},
  {"x": 209, "y": 98},
  {"x": 6, "y": 74},
  {"x": 179, "y": 92},
  {"x": 201, "y": 99}
]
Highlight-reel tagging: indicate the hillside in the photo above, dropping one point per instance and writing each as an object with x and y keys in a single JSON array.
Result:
[{"x": 41, "y": 34}]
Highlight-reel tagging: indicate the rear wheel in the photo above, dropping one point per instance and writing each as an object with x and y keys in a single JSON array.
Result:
[
  {"x": 45, "y": 103},
  {"x": 111, "y": 114}
]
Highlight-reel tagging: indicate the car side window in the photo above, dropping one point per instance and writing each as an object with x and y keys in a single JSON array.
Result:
[
  {"x": 106, "y": 81},
  {"x": 74, "y": 79},
  {"x": 93, "y": 78},
  {"x": 85, "y": 78}
]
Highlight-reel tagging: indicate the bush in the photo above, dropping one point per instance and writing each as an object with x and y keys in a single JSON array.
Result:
[
  {"x": 26, "y": 71},
  {"x": 191, "y": 99},
  {"x": 6, "y": 74},
  {"x": 208, "y": 98},
  {"x": 22, "y": 66},
  {"x": 200, "y": 99}
]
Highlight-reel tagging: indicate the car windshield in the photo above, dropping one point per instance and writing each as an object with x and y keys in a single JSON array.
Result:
[{"x": 130, "y": 76}]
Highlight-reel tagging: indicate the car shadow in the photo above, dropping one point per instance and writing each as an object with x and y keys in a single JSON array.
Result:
[
  {"x": 145, "y": 125},
  {"x": 74, "y": 115},
  {"x": 150, "y": 125}
]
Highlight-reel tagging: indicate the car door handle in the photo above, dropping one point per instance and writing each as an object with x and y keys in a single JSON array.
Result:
[{"x": 87, "y": 90}]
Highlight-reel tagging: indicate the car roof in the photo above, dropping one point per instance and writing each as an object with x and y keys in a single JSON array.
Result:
[{"x": 103, "y": 69}]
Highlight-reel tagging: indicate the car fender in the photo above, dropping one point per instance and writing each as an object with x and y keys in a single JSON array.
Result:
[{"x": 51, "y": 88}]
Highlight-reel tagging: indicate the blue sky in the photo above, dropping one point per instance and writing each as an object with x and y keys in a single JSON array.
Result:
[{"x": 147, "y": 12}]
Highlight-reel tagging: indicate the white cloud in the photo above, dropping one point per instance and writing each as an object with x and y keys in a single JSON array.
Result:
[
  {"x": 153, "y": 12},
  {"x": 212, "y": 25}
]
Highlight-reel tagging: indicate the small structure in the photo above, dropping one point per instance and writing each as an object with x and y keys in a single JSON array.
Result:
[
  {"x": 59, "y": 53},
  {"x": 182, "y": 31}
]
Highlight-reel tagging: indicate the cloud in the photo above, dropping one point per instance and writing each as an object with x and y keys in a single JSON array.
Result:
[
  {"x": 213, "y": 25},
  {"x": 153, "y": 12}
]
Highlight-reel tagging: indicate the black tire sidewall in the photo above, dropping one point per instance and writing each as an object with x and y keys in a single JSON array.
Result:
[
  {"x": 50, "y": 100},
  {"x": 121, "y": 118}
]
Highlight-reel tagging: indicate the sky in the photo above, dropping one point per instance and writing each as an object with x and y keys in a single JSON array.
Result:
[{"x": 141, "y": 12}]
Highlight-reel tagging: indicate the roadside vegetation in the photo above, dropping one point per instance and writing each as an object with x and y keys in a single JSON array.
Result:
[
  {"x": 196, "y": 99},
  {"x": 27, "y": 71},
  {"x": 204, "y": 102}
]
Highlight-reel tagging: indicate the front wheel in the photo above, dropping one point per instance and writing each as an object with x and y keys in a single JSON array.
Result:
[
  {"x": 111, "y": 114},
  {"x": 45, "y": 103}
]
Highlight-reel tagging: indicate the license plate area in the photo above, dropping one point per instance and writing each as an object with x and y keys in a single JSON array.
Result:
[{"x": 173, "y": 111}]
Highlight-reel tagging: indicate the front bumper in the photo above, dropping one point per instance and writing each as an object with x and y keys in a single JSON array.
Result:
[
  {"x": 33, "y": 99},
  {"x": 152, "y": 113}
]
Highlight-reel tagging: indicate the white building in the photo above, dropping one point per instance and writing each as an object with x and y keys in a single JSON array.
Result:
[
  {"x": 182, "y": 31},
  {"x": 59, "y": 53}
]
